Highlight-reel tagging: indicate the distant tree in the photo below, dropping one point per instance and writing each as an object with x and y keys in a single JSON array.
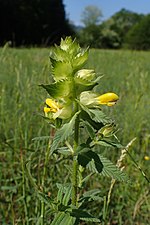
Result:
[
  {"x": 115, "y": 28},
  {"x": 109, "y": 38},
  {"x": 139, "y": 36},
  {"x": 110, "y": 33},
  {"x": 91, "y": 15},
  {"x": 32, "y": 22},
  {"x": 89, "y": 35},
  {"x": 123, "y": 21}
]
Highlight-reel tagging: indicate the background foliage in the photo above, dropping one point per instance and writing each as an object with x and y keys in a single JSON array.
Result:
[
  {"x": 125, "y": 29},
  {"x": 44, "y": 22},
  {"x": 33, "y": 22}
]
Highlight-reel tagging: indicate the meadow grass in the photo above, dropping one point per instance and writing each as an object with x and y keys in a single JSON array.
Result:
[{"x": 21, "y": 101}]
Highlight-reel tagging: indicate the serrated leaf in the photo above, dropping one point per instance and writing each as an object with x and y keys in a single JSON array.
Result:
[
  {"x": 65, "y": 131},
  {"x": 60, "y": 192},
  {"x": 85, "y": 157},
  {"x": 109, "y": 169},
  {"x": 63, "y": 219},
  {"x": 64, "y": 193},
  {"x": 98, "y": 116},
  {"x": 85, "y": 116},
  {"x": 67, "y": 196},
  {"x": 89, "y": 128},
  {"x": 83, "y": 215},
  {"x": 92, "y": 195},
  {"x": 80, "y": 59},
  {"x": 64, "y": 151},
  {"x": 59, "y": 89},
  {"x": 109, "y": 143}
]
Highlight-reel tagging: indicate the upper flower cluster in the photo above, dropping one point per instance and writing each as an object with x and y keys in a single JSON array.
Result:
[{"x": 72, "y": 82}]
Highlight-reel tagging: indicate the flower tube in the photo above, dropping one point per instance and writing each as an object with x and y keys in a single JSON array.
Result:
[{"x": 108, "y": 99}]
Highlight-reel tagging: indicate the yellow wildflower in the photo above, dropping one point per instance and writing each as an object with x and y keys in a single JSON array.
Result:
[
  {"x": 146, "y": 158},
  {"x": 52, "y": 106},
  {"x": 108, "y": 99}
]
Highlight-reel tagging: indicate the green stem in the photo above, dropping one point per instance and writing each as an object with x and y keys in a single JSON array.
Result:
[{"x": 75, "y": 165}]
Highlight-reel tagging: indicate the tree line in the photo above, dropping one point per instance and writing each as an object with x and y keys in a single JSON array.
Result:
[
  {"x": 125, "y": 29},
  {"x": 33, "y": 22},
  {"x": 44, "y": 22}
]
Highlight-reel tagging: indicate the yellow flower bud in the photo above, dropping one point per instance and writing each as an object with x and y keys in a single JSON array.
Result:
[
  {"x": 146, "y": 158},
  {"x": 108, "y": 99}
]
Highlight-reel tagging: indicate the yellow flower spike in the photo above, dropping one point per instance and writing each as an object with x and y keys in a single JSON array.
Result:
[
  {"x": 54, "y": 106},
  {"x": 108, "y": 99}
]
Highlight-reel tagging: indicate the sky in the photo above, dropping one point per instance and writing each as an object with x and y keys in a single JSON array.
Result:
[{"x": 74, "y": 8}]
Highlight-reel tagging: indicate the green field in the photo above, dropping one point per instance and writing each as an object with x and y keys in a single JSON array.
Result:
[{"x": 126, "y": 73}]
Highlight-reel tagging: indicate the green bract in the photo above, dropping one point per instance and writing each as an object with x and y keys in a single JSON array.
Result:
[{"x": 70, "y": 79}]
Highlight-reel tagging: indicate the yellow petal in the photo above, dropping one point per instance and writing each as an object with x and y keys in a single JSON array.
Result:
[
  {"x": 46, "y": 109},
  {"x": 52, "y": 104},
  {"x": 108, "y": 99}
]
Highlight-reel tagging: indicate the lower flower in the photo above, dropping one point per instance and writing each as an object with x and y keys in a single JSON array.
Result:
[
  {"x": 108, "y": 99},
  {"x": 55, "y": 110},
  {"x": 92, "y": 99}
]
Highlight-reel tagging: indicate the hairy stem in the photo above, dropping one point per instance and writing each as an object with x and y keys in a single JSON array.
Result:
[{"x": 75, "y": 165}]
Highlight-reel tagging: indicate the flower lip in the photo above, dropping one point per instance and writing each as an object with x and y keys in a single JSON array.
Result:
[
  {"x": 52, "y": 106},
  {"x": 108, "y": 99}
]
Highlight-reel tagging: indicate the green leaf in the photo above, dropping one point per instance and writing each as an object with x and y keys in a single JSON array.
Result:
[
  {"x": 59, "y": 89},
  {"x": 83, "y": 215},
  {"x": 97, "y": 162},
  {"x": 65, "y": 131},
  {"x": 67, "y": 196},
  {"x": 109, "y": 169},
  {"x": 63, "y": 219},
  {"x": 98, "y": 116},
  {"x": 85, "y": 116},
  {"x": 85, "y": 157},
  {"x": 108, "y": 143},
  {"x": 92, "y": 195},
  {"x": 64, "y": 151},
  {"x": 64, "y": 193},
  {"x": 89, "y": 128}
]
